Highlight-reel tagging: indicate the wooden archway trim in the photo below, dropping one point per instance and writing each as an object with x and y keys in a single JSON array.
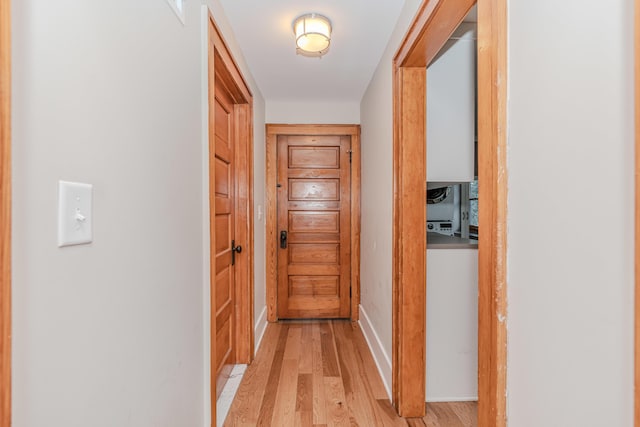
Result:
[
  {"x": 434, "y": 23},
  {"x": 5, "y": 213}
]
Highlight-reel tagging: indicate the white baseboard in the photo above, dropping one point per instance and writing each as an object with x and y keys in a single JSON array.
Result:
[
  {"x": 452, "y": 399},
  {"x": 380, "y": 356},
  {"x": 259, "y": 329}
]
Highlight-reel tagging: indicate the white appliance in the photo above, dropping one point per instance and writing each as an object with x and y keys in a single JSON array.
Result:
[{"x": 443, "y": 208}]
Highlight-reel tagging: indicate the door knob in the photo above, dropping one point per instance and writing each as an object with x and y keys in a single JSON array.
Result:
[
  {"x": 283, "y": 239},
  {"x": 234, "y": 249}
]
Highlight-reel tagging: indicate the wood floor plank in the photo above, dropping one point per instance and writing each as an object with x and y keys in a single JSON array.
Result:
[
  {"x": 255, "y": 379},
  {"x": 306, "y": 356},
  {"x": 365, "y": 360},
  {"x": 355, "y": 381},
  {"x": 304, "y": 398},
  {"x": 444, "y": 415},
  {"x": 292, "y": 351},
  {"x": 415, "y": 422},
  {"x": 319, "y": 405},
  {"x": 285, "y": 413},
  {"x": 337, "y": 414},
  {"x": 389, "y": 416},
  {"x": 304, "y": 419},
  {"x": 467, "y": 412},
  {"x": 286, "y": 395},
  {"x": 329, "y": 362},
  {"x": 269, "y": 399},
  {"x": 321, "y": 374}
]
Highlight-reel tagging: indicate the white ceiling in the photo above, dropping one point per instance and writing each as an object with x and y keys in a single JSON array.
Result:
[{"x": 361, "y": 30}]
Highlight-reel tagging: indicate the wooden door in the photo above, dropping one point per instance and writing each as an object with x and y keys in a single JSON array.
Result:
[
  {"x": 314, "y": 226},
  {"x": 224, "y": 226}
]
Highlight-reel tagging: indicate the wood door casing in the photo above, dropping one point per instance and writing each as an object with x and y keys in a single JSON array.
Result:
[
  {"x": 224, "y": 74},
  {"x": 314, "y": 209},
  {"x": 434, "y": 22},
  {"x": 224, "y": 224}
]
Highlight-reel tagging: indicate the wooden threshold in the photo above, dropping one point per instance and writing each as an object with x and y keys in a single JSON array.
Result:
[
  {"x": 5, "y": 213},
  {"x": 435, "y": 21}
]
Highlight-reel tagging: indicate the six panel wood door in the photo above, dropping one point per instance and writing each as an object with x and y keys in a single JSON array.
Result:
[
  {"x": 314, "y": 207},
  {"x": 224, "y": 231}
]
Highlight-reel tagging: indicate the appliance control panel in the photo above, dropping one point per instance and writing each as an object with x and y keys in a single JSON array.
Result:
[{"x": 442, "y": 227}]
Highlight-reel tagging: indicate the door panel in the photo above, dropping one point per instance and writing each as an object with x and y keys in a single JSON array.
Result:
[
  {"x": 318, "y": 285},
  {"x": 314, "y": 157},
  {"x": 224, "y": 231},
  {"x": 314, "y": 207},
  {"x": 309, "y": 222},
  {"x": 314, "y": 189}
]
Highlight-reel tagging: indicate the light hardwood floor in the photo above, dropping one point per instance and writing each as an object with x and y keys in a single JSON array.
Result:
[{"x": 321, "y": 373}]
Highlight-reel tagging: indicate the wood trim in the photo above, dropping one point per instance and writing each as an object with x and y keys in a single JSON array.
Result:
[
  {"x": 271, "y": 245},
  {"x": 212, "y": 234},
  {"x": 5, "y": 213},
  {"x": 222, "y": 64},
  {"x": 433, "y": 25},
  {"x": 243, "y": 235},
  {"x": 271, "y": 213},
  {"x": 637, "y": 218},
  {"x": 409, "y": 252},
  {"x": 435, "y": 22},
  {"x": 492, "y": 245},
  {"x": 280, "y": 129},
  {"x": 356, "y": 185}
]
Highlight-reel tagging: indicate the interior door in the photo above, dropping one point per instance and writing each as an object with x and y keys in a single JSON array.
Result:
[
  {"x": 224, "y": 226},
  {"x": 314, "y": 226}
]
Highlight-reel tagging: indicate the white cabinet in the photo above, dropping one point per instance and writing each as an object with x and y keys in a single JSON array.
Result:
[
  {"x": 451, "y": 88},
  {"x": 452, "y": 324}
]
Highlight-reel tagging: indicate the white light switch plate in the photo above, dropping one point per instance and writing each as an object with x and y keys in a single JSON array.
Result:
[{"x": 74, "y": 213}]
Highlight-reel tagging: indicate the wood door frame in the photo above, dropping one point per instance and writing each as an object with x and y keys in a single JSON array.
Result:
[
  {"x": 272, "y": 132},
  {"x": 222, "y": 64},
  {"x": 434, "y": 23},
  {"x": 5, "y": 213},
  {"x": 636, "y": 383}
]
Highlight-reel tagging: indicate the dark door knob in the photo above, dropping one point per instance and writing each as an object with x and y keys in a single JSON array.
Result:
[
  {"x": 234, "y": 249},
  {"x": 283, "y": 239}
]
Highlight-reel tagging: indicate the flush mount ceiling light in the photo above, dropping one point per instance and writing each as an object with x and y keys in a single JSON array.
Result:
[{"x": 313, "y": 34}]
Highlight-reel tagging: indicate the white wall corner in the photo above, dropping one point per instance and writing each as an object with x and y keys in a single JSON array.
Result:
[
  {"x": 206, "y": 241},
  {"x": 380, "y": 356},
  {"x": 259, "y": 329}
]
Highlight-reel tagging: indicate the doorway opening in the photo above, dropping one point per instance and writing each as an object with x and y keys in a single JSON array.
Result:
[
  {"x": 230, "y": 159},
  {"x": 431, "y": 28},
  {"x": 452, "y": 245}
]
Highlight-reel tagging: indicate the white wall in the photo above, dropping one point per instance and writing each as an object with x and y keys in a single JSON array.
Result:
[
  {"x": 112, "y": 333},
  {"x": 452, "y": 325},
  {"x": 570, "y": 244},
  {"x": 376, "y": 118},
  {"x": 312, "y": 112}
]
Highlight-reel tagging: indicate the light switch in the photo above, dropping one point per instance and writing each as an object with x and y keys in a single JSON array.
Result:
[{"x": 74, "y": 213}]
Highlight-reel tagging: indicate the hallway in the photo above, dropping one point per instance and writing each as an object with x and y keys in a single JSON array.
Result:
[{"x": 321, "y": 373}]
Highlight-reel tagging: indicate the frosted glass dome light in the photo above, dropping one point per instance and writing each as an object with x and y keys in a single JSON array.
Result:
[{"x": 313, "y": 34}]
